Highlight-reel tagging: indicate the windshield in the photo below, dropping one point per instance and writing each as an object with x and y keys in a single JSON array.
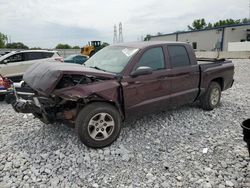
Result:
[
  {"x": 111, "y": 59},
  {"x": 70, "y": 57}
]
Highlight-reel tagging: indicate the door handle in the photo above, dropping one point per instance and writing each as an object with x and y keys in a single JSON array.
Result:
[
  {"x": 180, "y": 74},
  {"x": 134, "y": 82},
  {"x": 163, "y": 77}
]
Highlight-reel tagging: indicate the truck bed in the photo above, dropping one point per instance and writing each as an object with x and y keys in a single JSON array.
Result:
[
  {"x": 220, "y": 69},
  {"x": 202, "y": 61},
  {"x": 213, "y": 63}
]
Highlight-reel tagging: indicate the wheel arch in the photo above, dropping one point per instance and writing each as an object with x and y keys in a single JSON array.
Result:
[
  {"x": 220, "y": 81},
  {"x": 113, "y": 103}
]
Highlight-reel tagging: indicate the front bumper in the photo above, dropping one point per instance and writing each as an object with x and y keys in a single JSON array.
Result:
[
  {"x": 25, "y": 102},
  {"x": 25, "y": 106},
  {"x": 4, "y": 92}
]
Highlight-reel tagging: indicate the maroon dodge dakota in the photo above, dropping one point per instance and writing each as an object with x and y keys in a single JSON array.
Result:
[{"x": 119, "y": 81}]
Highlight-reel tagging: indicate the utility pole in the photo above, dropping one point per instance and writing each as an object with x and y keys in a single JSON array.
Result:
[
  {"x": 115, "y": 35},
  {"x": 249, "y": 12},
  {"x": 120, "y": 33}
]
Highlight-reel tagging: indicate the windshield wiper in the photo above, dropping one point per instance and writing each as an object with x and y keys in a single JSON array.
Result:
[{"x": 95, "y": 67}]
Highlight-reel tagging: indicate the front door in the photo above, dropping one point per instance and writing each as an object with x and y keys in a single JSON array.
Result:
[
  {"x": 12, "y": 65},
  {"x": 147, "y": 93}
]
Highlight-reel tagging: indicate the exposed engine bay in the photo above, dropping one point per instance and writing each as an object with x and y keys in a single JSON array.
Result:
[{"x": 72, "y": 80}]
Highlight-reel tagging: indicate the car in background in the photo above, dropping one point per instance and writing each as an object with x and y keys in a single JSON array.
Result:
[
  {"x": 76, "y": 58},
  {"x": 4, "y": 53},
  {"x": 15, "y": 63}
]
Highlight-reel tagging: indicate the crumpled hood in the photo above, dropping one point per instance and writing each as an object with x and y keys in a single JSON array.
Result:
[
  {"x": 105, "y": 89},
  {"x": 43, "y": 77}
]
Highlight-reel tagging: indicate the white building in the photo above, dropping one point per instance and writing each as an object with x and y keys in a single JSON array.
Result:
[{"x": 210, "y": 39}]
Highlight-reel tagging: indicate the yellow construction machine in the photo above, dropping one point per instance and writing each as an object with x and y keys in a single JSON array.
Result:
[{"x": 92, "y": 48}]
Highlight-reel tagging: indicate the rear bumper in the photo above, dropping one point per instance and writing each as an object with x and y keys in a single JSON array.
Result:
[
  {"x": 228, "y": 84},
  {"x": 232, "y": 83}
]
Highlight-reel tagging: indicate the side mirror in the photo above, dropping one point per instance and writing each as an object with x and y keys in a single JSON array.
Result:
[{"x": 142, "y": 71}]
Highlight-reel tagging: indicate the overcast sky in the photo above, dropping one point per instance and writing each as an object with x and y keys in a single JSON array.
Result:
[{"x": 45, "y": 23}]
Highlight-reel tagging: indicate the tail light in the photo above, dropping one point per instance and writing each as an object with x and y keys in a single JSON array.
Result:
[
  {"x": 1, "y": 83},
  {"x": 5, "y": 83},
  {"x": 59, "y": 59}
]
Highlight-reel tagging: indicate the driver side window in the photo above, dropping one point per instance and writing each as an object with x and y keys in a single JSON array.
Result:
[{"x": 153, "y": 58}]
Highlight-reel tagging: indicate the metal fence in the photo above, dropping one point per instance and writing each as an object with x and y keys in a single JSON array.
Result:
[
  {"x": 62, "y": 52},
  {"x": 67, "y": 52}
]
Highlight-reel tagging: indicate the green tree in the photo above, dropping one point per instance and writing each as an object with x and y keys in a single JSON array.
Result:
[
  {"x": 35, "y": 48},
  {"x": 209, "y": 25},
  {"x": 75, "y": 47},
  {"x": 198, "y": 24},
  {"x": 245, "y": 20},
  {"x": 16, "y": 45},
  {"x": 3, "y": 40},
  {"x": 63, "y": 46},
  {"x": 201, "y": 23},
  {"x": 104, "y": 44},
  {"x": 226, "y": 22}
]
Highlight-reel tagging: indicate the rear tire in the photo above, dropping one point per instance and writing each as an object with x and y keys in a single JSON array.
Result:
[
  {"x": 98, "y": 124},
  {"x": 211, "y": 98}
]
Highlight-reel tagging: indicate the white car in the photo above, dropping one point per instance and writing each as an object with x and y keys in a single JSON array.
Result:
[{"x": 14, "y": 64}]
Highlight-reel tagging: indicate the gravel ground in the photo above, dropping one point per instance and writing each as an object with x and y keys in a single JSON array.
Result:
[{"x": 162, "y": 150}]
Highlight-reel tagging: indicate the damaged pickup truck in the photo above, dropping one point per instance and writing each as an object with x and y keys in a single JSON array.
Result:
[{"x": 120, "y": 81}]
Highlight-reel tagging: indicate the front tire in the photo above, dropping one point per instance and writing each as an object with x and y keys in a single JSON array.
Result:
[
  {"x": 98, "y": 125},
  {"x": 211, "y": 98}
]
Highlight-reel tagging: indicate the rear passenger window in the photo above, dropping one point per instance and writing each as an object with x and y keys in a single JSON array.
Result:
[
  {"x": 152, "y": 58},
  {"x": 34, "y": 55},
  {"x": 178, "y": 56}
]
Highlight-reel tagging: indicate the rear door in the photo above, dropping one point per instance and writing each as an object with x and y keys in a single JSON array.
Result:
[
  {"x": 147, "y": 93},
  {"x": 31, "y": 58},
  {"x": 184, "y": 75}
]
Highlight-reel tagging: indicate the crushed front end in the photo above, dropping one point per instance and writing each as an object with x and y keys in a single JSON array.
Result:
[
  {"x": 47, "y": 109},
  {"x": 59, "y": 94}
]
